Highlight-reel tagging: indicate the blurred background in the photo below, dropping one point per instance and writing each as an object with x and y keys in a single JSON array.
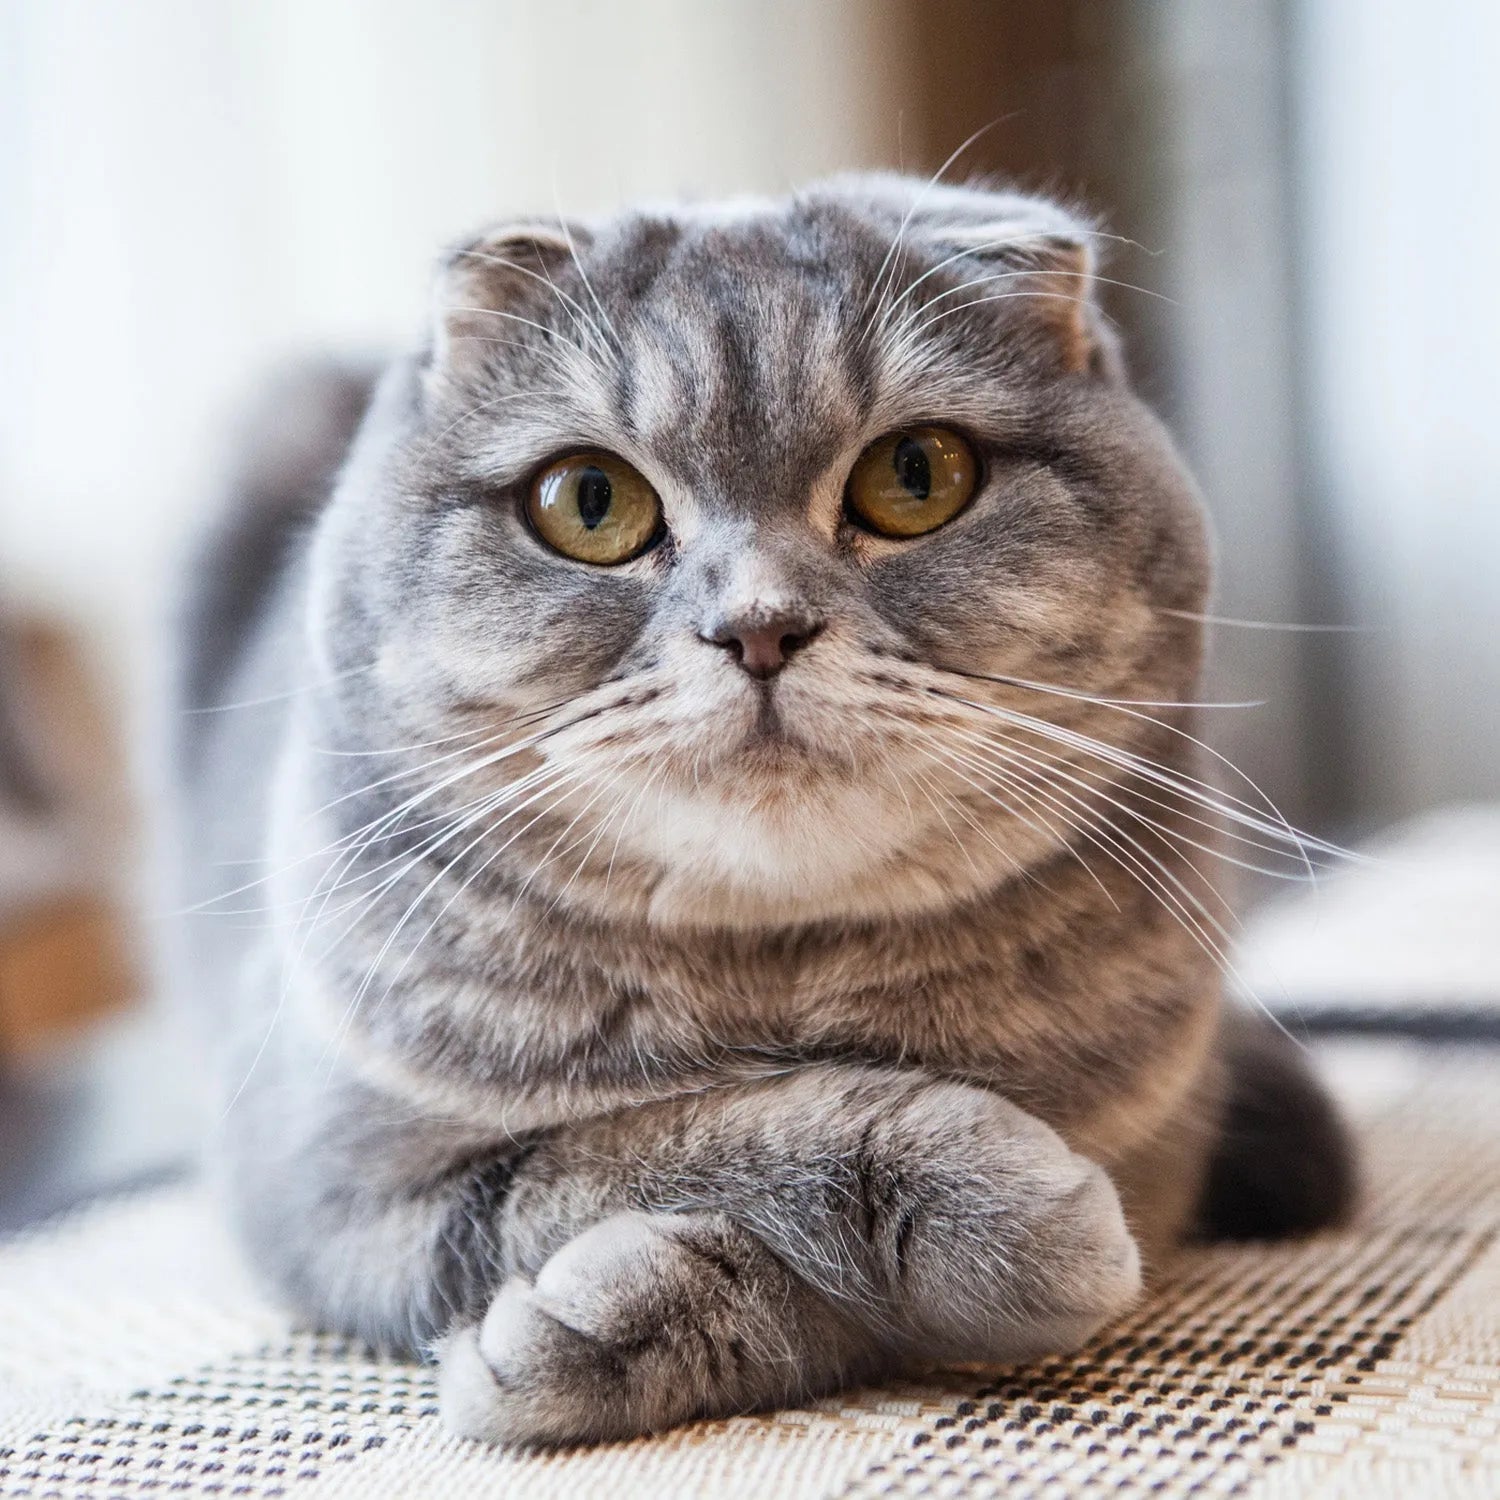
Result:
[{"x": 191, "y": 194}]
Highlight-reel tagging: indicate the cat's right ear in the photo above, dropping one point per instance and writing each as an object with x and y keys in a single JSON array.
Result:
[{"x": 487, "y": 289}]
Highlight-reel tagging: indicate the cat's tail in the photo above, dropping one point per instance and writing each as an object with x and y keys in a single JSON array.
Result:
[
  {"x": 1284, "y": 1163},
  {"x": 290, "y": 448}
]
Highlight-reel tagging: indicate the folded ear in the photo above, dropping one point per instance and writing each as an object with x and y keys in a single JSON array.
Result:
[
  {"x": 1050, "y": 276},
  {"x": 488, "y": 290},
  {"x": 1031, "y": 255}
]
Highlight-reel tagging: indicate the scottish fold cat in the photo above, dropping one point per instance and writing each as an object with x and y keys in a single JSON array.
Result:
[{"x": 732, "y": 903}]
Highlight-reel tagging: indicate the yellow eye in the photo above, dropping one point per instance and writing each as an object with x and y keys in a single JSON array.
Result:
[
  {"x": 910, "y": 482},
  {"x": 594, "y": 507}
]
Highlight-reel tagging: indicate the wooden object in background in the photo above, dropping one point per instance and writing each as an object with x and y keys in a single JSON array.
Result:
[
  {"x": 66, "y": 952},
  {"x": 62, "y": 964}
]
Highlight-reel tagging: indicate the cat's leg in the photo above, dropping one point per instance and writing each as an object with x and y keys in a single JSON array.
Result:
[{"x": 763, "y": 1242}]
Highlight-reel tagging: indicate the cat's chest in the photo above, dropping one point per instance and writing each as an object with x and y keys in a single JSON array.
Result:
[
  {"x": 1056, "y": 1026},
  {"x": 1066, "y": 1007}
]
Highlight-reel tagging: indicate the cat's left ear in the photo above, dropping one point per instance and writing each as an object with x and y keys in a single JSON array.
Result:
[{"x": 489, "y": 286}]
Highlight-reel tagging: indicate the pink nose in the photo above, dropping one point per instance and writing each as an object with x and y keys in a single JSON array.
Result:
[{"x": 762, "y": 645}]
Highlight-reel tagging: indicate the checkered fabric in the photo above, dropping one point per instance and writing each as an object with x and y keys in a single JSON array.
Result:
[{"x": 136, "y": 1359}]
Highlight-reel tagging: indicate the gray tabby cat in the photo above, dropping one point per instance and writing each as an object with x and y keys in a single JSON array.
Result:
[{"x": 732, "y": 912}]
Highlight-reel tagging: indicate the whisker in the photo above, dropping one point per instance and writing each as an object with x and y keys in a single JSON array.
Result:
[
  {"x": 447, "y": 739},
  {"x": 1215, "y": 943},
  {"x": 1101, "y": 779},
  {"x": 924, "y": 786},
  {"x": 1053, "y": 769},
  {"x": 937, "y": 748},
  {"x": 365, "y": 903},
  {"x": 554, "y": 852},
  {"x": 447, "y": 819},
  {"x": 594, "y": 844},
  {"x": 1021, "y": 238},
  {"x": 566, "y": 779},
  {"x": 921, "y": 327},
  {"x": 391, "y": 817},
  {"x": 582, "y": 274},
  {"x": 1051, "y": 836},
  {"x": 296, "y": 692},
  {"x": 353, "y": 1006},
  {"x": 1083, "y": 697},
  {"x": 1187, "y": 614},
  {"x": 289, "y": 968},
  {"x": 567, "y": 358},
  {"x": 654, "y": 777},
  {"x": 494, "y": 758},
  {"x": 974, "y": 823},
  {"x": 1285, "y": 833},
  {"x": 1160, "y": 880},
  {"x": 1224, "y": 804},
  {"x": 473, "y": 411},
  {"x": 510, "y": 317}
]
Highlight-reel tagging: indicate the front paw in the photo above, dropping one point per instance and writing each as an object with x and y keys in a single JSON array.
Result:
[
  {"x": 559, "y": 1360},
  {"x": 1090, "y": 1265},
  {"x": 641, "y": 1322},
  {"x": 1013, "y": 1246}
]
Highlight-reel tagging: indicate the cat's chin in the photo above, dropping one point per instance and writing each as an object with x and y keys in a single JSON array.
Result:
[
  {"x": 770, "y": 840},
  {"x": 695, "y": 898}
]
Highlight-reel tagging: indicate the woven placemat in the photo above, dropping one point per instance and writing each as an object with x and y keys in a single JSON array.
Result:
[{"x": 135, "y": 1359}]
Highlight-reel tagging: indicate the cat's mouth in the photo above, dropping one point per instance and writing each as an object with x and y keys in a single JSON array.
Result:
[
  {"x": 768, "y": 721},
  {"x": 770, "y": 740},
  {"x": 769, "y": 730}
]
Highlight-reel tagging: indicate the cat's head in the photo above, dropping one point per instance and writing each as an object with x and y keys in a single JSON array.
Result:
[{"x": 740, "y": 508}]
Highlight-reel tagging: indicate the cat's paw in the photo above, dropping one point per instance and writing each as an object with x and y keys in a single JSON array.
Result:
[
  {"x": 624, "y": 1331},
  {"x": 506, "y": 1380},
  {"x": 1090, "y": 1264},
  {"x": 1010, "y": 1245},
  {"x": 1045, "y": 1290}
]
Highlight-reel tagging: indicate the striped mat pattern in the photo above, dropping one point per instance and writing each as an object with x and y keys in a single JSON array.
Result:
[{"x": 136, "y": 1359}]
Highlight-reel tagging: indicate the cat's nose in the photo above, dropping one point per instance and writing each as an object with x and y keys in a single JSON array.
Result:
[{"x": 762, "y": 642}]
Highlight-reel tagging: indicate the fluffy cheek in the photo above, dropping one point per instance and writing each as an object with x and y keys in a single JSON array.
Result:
[
  {"x": 1073, "y": 621},
  {"x": 479, "y": 612}
]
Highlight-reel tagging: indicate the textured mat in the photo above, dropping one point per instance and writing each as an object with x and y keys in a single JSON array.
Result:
[{"x": 136, "y": 1360}]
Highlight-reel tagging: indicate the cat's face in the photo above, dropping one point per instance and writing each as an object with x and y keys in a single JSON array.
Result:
[{"x": 745, "y": 491}]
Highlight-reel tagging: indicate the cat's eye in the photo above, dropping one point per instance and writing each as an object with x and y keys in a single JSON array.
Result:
[
  {"x": 911, "y": 482},
  {"x": 594, "y": 507}
]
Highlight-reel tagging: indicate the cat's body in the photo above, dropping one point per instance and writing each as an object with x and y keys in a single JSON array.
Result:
[{"x": 768, "y": 1025}]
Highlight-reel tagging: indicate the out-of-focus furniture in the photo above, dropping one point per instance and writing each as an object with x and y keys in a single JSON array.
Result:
[{"x": 65, "y": 957}]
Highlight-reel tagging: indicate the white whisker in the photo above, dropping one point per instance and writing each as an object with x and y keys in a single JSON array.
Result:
[
  {"x": 296, "y": 692},
  {"x": 1187, "y": 614}
]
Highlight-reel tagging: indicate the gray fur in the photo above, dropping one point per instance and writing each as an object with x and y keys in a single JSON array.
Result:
[{"x": 757, "y": 1036}]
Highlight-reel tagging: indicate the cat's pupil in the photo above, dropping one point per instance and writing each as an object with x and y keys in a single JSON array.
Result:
[
  {"x": 594, "y": 495},
  {"x": 912, "y": 468}
]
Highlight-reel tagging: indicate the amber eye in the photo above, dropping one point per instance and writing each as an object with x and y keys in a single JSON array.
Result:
[
  {"x": 594, "y": 507},
  {"x": 913, "y": 481}
]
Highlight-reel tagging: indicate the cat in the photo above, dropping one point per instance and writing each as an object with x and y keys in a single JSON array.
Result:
[{"x": 729, "y": 912}]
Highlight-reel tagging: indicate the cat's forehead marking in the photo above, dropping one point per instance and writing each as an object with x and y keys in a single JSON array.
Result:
[{"x": 741, "y": 367}]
